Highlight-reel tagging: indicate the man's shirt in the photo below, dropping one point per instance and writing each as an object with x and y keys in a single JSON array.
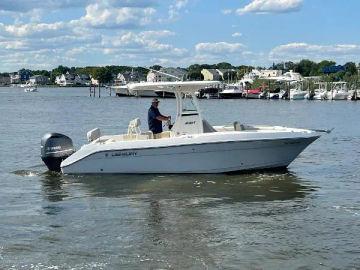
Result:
[{"x": 154, "y": 125}]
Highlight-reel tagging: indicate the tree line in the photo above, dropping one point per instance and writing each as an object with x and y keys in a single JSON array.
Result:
[{"x": 305, "y": 67}]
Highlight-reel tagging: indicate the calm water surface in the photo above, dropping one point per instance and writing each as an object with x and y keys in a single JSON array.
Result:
[{"x": 305, "y": 218}]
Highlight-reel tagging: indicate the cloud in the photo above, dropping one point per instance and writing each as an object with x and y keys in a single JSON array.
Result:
[
  {"x": 175, "y": 9},
  {"x": 227, "y": 11},
  {"x": 270, "y": 6},
  {"x": 105, "y": 16},
  {"x": 50, "y": 5},
  {"x": 298, "y": 51},
  {"x": 236, "y": 34},
  {"x": 143, "y": 43},
  {"x": 25, "y": 6},
  {"x": 219, "y": 47},
  {"x": 33, "y": 29}
]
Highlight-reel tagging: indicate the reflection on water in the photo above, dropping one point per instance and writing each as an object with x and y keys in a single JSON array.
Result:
[
  {"x": 249, "y": 187},
  {"x": 52, "y": 186}
]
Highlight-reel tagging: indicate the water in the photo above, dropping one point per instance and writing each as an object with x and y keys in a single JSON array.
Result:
[{"x": 305, "y": 218}]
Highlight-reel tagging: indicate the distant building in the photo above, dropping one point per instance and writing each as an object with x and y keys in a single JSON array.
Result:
[
  {"x": 216, "y": 74},
  {"x": 69, "y": 79},
  {"x": 24, "y": 74},
  {"x": 127, "y": 77},
  {"x": 5, "y": 79},
  {"x": 94, "y": 81},
  {"x": 39, "y": 80},
  {"x": 65, "y": 79},
  {"x": 173, "y": 74},
  {"x": 153, "y": 76},
  {"x": 268, "y": 73},
  {"x": 82, "y": 80},
  {"x": 212, "y": 74},
  {"x": 167, "y": 75},
  {"x": 14, "y": 78},
  {"x": 252, "y": 75}
]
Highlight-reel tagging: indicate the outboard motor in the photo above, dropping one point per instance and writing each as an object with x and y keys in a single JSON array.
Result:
[{"x": 55, "y": 147}]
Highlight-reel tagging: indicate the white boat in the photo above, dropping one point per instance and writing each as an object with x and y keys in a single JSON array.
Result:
[
  {"x": 120, "y": 90},
  {"x": 146, "y": 93},
  {"x": 297, "y": 93},
  {"x": 191, "y": 146},
  {"x": 354, "y": 94},
  {"x": 339, "y": 91},
  {"x": 232, "y": 91},
  {"x": 320, "y": 93},
  {"x": 31, "y": 89}
]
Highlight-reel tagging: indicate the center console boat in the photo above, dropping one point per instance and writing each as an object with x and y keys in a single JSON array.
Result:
[{"x": 191, "y": 146}]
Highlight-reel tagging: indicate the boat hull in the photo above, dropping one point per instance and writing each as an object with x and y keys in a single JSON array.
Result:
[
  {"x": 145, "y": 93},
  {"x": 298, "y": 95},
  {"x": 220, "y": 157},
  {"x": 230, "y": 95}
]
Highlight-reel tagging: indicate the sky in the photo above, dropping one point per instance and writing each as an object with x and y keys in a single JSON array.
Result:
[{"x": 44, "y": 34}]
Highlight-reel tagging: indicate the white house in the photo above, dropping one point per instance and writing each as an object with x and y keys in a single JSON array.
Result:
[
  {"x": 73, "y": 79},
  {"x": 268, "y": 73},
  {"x": 65, "y": 79},
  {"x": 14, "y": 78},
  {"x": 153, "y": 76}
]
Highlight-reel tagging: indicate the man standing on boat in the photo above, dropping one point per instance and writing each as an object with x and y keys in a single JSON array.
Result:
[{"x": 155, "y": 118}]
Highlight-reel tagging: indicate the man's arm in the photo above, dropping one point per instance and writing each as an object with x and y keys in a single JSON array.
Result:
[{"x": 162, "y": 118}]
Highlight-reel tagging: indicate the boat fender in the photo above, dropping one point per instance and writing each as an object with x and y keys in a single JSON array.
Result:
[{"x": 55, "y": 147}]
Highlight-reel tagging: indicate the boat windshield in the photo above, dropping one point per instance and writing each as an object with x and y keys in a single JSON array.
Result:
[{"x": 188, "y": 104}]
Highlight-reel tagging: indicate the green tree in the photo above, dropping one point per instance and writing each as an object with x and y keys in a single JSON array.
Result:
[
  {"x": 350, "y": 68},
  {"x": 306, "y": 67},
  {"x": 224, "y": 65},
  {"x": 103, "y": 75},
  {"x": 156, "y": 67}
]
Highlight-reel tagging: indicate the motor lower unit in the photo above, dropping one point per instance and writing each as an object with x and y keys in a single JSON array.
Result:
[{"x": 55, "y": 147}]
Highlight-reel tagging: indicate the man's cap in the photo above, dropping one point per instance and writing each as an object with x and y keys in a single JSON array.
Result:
[{"x": 155, "y": 100}]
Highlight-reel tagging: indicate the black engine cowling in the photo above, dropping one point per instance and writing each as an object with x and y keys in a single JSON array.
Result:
[{"x": 55, "y": 147}]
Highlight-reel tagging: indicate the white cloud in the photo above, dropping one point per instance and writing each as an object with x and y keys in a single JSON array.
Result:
[
  {"x": 236, "y": 34},
  {"x": 105, "y": 16},
  {"x": 219, "y": 47},
  {"x": 175, "y": 9},
  {"x": 219, "y": 52},
  {"x": 50, "y": 5},
  {"x": 270, "y": 6},
  {"x": 143, "y": 43},
  {"x": 298, "y": 51},
  {"x": 33, "y": 29},
  {"x": 227, "y": 11}
]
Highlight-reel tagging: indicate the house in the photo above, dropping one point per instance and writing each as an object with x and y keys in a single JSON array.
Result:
[
  {"x": 268, "y": 73},
  {"x": 24, "y": 75},
  {"x": 39, "y": 80},
  {"x": 65, "y": 79},
  {"x": 5, "y": 79},
  {"x": 252, "y": 75},
  {"x": 167, "y": 75},
  {"x": 73, "y": 79},
  {"x": 212, "y": 74},
  {"x": 173, "y": 74},
  {"x": 94, "y": 81},
  {"x": 82, "y": 80},
  {"x": 153, "y": 76},
  {"x": 14, "y": 78}
]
